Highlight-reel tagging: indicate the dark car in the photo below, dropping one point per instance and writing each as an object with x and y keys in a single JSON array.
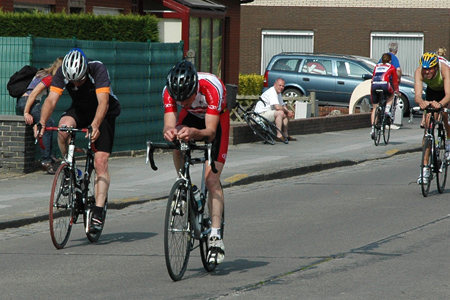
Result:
[{"x": 332, "y": 76}]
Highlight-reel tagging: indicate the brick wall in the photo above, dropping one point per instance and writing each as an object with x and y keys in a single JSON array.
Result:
[
  {"x": 354, "y": 3},
  {"x": 334, "y": 30},
  {"x": 16, "y": 145},
  {"x": 241, "y": 133},
  {"x": 232, "y": 41}
]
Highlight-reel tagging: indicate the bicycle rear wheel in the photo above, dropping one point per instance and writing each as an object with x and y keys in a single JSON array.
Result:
[
  {"x": 258, "y": 127},
  {"x": 206, "y": 228},
  {"x": 377, "y": 126},
  {"x": 441, "y": 175},
  {"x": 93, "y": 236},
  {"x": 425, "y": 179},
  {"x": 61, "y": 210},
  {"x": 177, "y": 231},
  {"x": 386, "y": 128},
  {"x": 274, "y": 131}
]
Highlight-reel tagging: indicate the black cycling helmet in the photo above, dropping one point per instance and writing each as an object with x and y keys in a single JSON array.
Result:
[
  {"x": 74, "y": 65},
  {"x": 182, "y": 81}
]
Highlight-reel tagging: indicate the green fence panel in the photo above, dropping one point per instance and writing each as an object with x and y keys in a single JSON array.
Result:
[
  {"x": 137, "y": 70},
  {"x": 15, "y": 52}
]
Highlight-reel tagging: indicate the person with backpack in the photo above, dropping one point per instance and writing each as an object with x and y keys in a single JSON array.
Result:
[{"x": 29, "y": 104}]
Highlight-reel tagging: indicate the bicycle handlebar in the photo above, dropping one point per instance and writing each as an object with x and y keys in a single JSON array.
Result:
[
  {"x": 69, "y": 129},
  {"x": 431, "y": 109},
  {"x": 182, "y": 146}
]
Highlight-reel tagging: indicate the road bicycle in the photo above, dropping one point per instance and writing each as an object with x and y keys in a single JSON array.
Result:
[
  {"x": 433, "y": 152},
  {"x": 382, "y": 122},
  {"x": 260, "y": 125},
  {"x": 73, "y": 192},
  {"x": 185, "y": 223}
]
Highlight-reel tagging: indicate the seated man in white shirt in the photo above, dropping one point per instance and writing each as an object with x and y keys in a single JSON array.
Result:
[{"x": 274, "y": 108}]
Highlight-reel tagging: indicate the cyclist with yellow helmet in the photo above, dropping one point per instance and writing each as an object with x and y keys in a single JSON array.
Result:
[{"x": 436, "y": 75}]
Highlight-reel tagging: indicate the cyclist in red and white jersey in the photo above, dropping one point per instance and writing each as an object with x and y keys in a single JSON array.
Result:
[
  {"x": 385, "y": 78},
  {"x": 204, "y": 116}
]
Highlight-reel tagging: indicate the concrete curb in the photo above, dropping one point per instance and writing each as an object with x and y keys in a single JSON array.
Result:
[{"x": 239, "y": 179}]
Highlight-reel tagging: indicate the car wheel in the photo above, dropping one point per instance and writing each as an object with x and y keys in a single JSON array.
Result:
[{"x": 292, "y": 93}]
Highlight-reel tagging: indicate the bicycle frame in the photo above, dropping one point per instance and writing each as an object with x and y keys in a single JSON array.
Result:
[
  {"x": 81, "y": 186},
  {"x": 260, "y": 125},
  {"x": 184, "y": 222},
  {"x": 382, "y": 122},
  {"x": 184, "y": 174},
  {"x": 433, "y": 152},
  {"x": 72, "y": 195},
  {"x": 429, "y": 131}
]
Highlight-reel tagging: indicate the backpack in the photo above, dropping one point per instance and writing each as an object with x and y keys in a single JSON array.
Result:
[{"x": 18, "y": 83}]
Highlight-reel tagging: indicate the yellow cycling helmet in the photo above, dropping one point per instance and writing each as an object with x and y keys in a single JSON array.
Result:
[{"x": 429, "y": 60}]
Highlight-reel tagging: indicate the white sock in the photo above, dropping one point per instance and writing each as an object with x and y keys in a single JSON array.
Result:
[
  {"x": 388, "y": 108},
  {"x": 216, "y": 232}
]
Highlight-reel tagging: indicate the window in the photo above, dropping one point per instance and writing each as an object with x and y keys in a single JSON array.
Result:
[
  {"x": 31, "y": 8},
  {"x": 217, "y": 47},
  {"x": 355, "y": 70},
  {"x": 342, "y": 69},
  {"x": 96, "y": 10},
  {"x": 205, "y": 44},
  {"x": 205, "y": 39},
  {"x": 285, "y": 65},
  {"x": 317, "y": 67}
]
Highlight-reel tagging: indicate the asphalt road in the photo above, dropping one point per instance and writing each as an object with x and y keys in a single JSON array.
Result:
[{"x": 358, "y": 232}]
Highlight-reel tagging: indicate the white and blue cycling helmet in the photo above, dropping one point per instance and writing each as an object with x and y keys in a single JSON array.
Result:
[{"x": 74, "y": 65}]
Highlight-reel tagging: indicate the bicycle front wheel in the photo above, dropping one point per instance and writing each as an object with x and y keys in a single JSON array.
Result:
[
  {"x": 427, "y": 161},
  {"x": 441, "y": 175},
  {"x": 386, "y": 128},
  {"x": 61, "y": 210},
  {"x": 258, "y": 127},
  {"x": 177, "y": 231},
  {"x": 377, "y": 126}
]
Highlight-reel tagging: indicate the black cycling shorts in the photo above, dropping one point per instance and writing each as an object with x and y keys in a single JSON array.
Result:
[
  {"x": 387, "y": 90},
  {"x": 107, "y": 128}
]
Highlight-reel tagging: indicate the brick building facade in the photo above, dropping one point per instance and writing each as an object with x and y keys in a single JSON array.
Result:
[{"x": 341, "y": 26}]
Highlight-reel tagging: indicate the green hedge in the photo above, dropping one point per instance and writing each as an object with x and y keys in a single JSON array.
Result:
[
  {"x": 127, "y": 28},
  {"x": 251, "y": 84}
]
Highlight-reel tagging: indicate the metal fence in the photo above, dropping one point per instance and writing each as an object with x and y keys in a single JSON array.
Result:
[{"x": 138, "y": 72}]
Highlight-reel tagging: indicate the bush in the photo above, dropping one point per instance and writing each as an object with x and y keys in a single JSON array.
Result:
[
  {"x": 251, "y": 84},
  {"x": 125, "y": 28}
]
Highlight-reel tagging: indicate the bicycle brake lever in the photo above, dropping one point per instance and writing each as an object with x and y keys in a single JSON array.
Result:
[{"x": 150, "y": 150}]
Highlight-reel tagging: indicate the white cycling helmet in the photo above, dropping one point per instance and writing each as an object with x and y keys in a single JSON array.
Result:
[{"x": 74, "y": 65}]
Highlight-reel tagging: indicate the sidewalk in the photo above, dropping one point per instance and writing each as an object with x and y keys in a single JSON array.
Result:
[{"x": 24, "y": 198}]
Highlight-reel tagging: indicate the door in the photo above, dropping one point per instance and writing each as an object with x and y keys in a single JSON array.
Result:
[
  {"x": 316, "y": 76},
  {"x": 349, "y": 76}
]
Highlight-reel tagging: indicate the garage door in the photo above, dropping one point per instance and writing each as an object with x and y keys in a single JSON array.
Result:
[
  {"x": 410, "y": 48},
  {"x": 276, "y": 41}
]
